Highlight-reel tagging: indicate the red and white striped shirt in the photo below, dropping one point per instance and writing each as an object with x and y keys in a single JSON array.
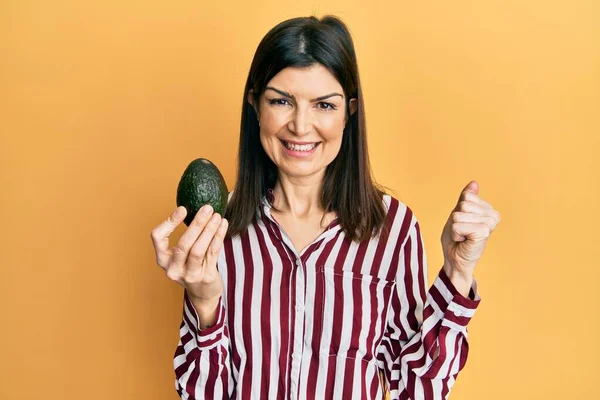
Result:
[{"x": 322, "y": 323}]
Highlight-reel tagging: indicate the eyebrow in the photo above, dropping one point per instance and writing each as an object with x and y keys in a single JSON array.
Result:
[{"x": 291, "y": 96}]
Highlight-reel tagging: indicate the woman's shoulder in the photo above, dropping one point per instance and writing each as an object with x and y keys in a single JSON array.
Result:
[{"x": 396, "y": 209}]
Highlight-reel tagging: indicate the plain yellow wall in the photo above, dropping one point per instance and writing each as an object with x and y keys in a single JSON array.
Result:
[{"x": 103, "y": 105}]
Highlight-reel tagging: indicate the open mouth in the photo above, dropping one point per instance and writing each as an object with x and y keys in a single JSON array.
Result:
[{"x": 300, "y": 148}]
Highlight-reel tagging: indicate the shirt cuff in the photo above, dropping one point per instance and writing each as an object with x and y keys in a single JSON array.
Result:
[
  {"x": 209, "y": 337},
  {"x": 454, "y": 309}
]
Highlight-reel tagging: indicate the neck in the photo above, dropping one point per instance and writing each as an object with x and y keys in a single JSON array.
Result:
[{"x": 298, "y": 198}]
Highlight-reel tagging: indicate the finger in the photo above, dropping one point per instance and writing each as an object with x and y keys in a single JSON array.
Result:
[
  {"x": 472, "y": 186},
  {"x": 463, "y": 230},
  {"x": 473, "y": 198},
  {"x": 197, "y": 256},
  {"x": 209, "y": 263},
  {"x": 487, "y": 219},
  {"x": 182, "y": 249},
  {"x": 160, "y": 236},
  {"x": 470, "y": 207},
  {"x": 217, "y": 243}
]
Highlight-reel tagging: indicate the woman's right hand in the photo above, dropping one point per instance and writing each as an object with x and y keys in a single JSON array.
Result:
[{"x": 193, "y": 261}]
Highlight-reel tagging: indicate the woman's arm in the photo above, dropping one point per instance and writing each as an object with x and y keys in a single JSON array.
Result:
[
  {"x": 202, "y": 359},
  {"x": 425, "y": 343}
]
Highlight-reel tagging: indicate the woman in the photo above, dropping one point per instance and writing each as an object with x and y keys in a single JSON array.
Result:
[{"x": 315, "y": 279}]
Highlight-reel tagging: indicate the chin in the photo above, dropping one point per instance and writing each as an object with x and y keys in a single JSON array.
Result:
[{"x": 300, "y": 172}]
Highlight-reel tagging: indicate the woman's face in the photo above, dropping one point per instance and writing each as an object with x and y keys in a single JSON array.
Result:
[{"x": 302, "y": 117}]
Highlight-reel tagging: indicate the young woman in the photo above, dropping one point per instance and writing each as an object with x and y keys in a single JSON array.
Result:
[{"x": 315, "y": 280}]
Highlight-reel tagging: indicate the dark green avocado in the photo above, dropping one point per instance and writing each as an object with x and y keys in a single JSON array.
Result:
[{"x": 200, "y": 184}]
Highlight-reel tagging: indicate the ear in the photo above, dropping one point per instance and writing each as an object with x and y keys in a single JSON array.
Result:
[{"x": 353, "y": 105}]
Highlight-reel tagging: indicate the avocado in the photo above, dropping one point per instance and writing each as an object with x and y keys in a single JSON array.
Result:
[{"x": 201, "y": 183}]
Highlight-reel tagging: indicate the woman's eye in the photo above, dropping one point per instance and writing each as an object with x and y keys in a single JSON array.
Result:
[
  {"x": 278, "y": 102},
  {"x": 327, "y": 106}
]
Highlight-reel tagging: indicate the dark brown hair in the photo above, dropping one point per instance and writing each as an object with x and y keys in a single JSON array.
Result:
[{"x": 348, "y": 188}]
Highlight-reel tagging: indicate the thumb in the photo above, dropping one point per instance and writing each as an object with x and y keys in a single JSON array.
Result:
[{"x": 472, "y": 187}]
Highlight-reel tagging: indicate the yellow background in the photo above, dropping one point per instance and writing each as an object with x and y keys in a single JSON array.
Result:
[{"x": 103, "y": 105}]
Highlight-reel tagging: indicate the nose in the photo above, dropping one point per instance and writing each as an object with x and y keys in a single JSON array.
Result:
[{"x": 301, "y": 122}]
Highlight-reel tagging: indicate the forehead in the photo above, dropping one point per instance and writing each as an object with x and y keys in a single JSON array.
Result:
[{"x": 310, "y": 81}]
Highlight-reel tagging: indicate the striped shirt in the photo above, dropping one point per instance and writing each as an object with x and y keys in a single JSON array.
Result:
[{"x": 323, "y": 323}]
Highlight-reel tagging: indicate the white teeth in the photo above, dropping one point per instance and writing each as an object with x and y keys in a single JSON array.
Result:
[{"x": 304, "y": 147}]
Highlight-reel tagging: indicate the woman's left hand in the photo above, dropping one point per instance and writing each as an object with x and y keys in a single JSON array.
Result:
[{"x": 465, "y": 235}]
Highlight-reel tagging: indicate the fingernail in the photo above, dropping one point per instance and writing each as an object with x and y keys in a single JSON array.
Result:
[{"x": 205, "y": 209}]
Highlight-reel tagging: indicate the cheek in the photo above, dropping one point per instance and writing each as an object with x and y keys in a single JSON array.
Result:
[
  {"x": 264, "y": 140},
  {"x": 273, "y": 121},
  {"x": 269, "y": 143},
  {"x": 332, "y": 130}
]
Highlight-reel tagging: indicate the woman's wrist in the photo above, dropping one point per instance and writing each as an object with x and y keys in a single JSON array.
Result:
[
  {"x": 461, "y": 281},
  {"x": 206, "y": 310}
]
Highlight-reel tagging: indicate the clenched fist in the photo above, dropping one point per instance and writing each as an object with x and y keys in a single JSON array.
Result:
[{"x": 465, "y": 235}]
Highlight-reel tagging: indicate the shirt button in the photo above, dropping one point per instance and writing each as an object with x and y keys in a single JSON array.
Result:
[
  {"x": 294, "y": 355},
  {"x": 298, "y": 263},
  {"x": 458, "y": 312},
  {"x": 299, "y": 308}
]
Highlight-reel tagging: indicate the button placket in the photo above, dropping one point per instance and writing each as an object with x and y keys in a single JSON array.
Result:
[
  {"x": 298, "y": 329},
  {"x": 299, "y": 300}
]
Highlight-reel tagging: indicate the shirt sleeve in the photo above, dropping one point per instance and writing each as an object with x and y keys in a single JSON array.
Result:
[
  {"x": 202, "y": 359},
  {"x": 425, "y": 342}
]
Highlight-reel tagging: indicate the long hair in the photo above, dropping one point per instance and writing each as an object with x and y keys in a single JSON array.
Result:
[{"x": 348, "y": 188}]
